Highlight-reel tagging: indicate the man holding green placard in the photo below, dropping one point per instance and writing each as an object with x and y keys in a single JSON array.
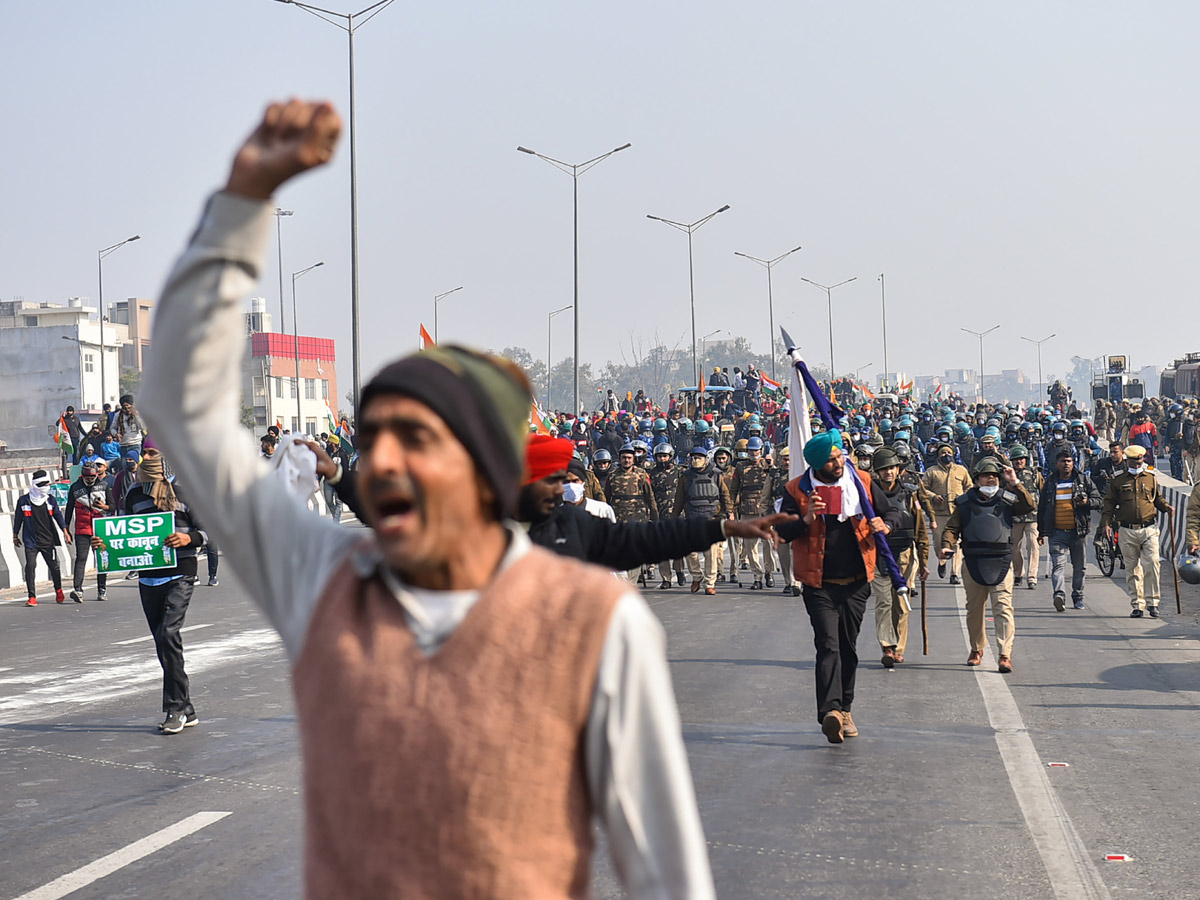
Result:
[{"x": 162, "y": 531}]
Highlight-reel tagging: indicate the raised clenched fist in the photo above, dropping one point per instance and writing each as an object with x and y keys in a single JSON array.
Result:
[{"x": 293, "y": 137}]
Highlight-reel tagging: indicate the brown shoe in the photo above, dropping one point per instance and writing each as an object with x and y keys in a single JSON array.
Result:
[
  {"x": 695, "y": 587},
  {"x": 975, "y": 658},
  {"x": 899, "y": 657},
  {"x": 889, "y": 658},
  {"x": 710, "y": 591},
  {"x": 849, "y": 729},
  {"x": 1004, "y": 664},
  {"x": 833, "y": 725}
]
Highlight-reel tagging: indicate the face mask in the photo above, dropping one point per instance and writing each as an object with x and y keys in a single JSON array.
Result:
[
  {"x": 573, "y": 491},
  {"x": 946, "y": 460},
  {"x": 1136, "y": 470},
  {"x": 989, "y": 491}
]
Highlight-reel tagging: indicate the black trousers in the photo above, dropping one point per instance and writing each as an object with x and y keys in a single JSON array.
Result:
[
  {"x": 83, "y": 548},
  {"x": 165, "y": 606},
  {"x": 836, "y": 612},
  {"x": 50, "y": 555}
]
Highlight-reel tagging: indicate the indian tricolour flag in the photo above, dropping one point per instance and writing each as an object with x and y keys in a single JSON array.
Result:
[
  {"x": 537, "y": 418},
  {"x": 62, "y": 437},
  {"x": 771, "y": 387}
]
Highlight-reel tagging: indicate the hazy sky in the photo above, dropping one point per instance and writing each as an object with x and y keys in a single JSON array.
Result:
[{"x": 1032, "y": 165}]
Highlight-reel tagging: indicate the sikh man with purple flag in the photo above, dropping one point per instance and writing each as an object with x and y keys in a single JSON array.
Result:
[{"x": 843, "y": 517}]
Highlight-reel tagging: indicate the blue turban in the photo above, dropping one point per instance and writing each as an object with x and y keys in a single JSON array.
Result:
[{"x": 820, "y": 447}]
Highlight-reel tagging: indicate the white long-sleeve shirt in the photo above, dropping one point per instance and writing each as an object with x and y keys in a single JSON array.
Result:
[{"x": 637, "y": 768}]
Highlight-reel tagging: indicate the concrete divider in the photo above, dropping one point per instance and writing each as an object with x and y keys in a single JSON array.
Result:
[{"x": 1177, "y": 494}]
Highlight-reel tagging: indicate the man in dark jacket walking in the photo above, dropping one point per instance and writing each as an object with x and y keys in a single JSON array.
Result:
[
  {"x": 88, "y": 499},
  {"x": 1065, "y": 517},
  {"x": 36, "y": 515}
]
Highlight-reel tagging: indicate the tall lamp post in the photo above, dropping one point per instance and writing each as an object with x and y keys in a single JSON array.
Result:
[
  {"x": 883, "y": 303},
  {"x": 981, "y": 335},
  {"x": 828, "y": 289},
  {"x": 575, "y": 170},
  {"x": 859, "y": 369},
  {"x": 769, "y": 264},
  {"x": 100, "y": 270},
  {"x": 296, "y": 339},
  {"x": 704, "y": 345},
  {"x": 549, "y": 358},
  {"x": 690, "y": 230},
  {"x": 330, "y": 16},
  {"x": 1038, "y": 344},
  {"x": 437, "y": 298},
  {"x": 279, "y": 214}
]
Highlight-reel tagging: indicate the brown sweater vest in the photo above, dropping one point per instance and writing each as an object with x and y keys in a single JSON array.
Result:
[{"x": 458, "y": 775}]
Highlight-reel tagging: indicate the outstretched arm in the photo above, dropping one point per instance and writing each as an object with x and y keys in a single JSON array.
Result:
[{"x": 191, "y": 395}]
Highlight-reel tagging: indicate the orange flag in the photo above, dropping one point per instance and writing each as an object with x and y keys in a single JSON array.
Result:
[{"x": 426, "y": 340}]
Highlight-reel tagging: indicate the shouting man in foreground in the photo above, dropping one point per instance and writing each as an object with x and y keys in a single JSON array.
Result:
[{"x": 467, "y": 702}]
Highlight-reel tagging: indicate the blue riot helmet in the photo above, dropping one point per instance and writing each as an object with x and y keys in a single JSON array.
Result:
[
  {"x": 755, "y": 443},
  {"x": 701, "y": 428},
  {"x": 961, "y": 430},
  {"x": 660, "y": 425}
]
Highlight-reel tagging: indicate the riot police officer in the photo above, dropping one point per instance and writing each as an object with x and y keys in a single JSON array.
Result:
[
  {"x": 750, "y": 488},
  {"x": 664, "y": 480},
  {"x": 982, "y": 522}
]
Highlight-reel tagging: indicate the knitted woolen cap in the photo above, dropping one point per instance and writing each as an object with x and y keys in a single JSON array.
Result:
[{"x": 484, "y": 401}]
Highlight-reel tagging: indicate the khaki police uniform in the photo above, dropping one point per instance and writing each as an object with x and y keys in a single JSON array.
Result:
[{"x": 1132, "y": 504}]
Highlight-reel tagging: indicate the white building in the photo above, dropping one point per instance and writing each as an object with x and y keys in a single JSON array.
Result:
[{"x": 50, "y": 358}]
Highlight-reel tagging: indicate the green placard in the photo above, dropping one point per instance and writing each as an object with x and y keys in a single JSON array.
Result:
[
  {"x": 135, "y": 542},
  {"x": 59, "y": 490}
]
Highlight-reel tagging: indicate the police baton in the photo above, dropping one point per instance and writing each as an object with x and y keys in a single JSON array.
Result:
[
  {"x": 924, "y": 623},
  {"x": 1171, "y": 556}
]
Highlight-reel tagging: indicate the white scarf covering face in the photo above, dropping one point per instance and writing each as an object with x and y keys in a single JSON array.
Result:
[
  {"x": 39, "y": 491},
  {"x": 851, "y": 505}
]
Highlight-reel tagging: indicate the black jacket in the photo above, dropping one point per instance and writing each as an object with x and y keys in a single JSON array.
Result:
[
  {"x": 1083, "y": 484},
  {"x": 572, "y": 531}
]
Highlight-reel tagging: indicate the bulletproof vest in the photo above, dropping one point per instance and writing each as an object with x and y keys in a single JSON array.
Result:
[
  {"x": 664, "y": 482},
  {"x": 624, "y": 485},
  {"x": 703, "y": 493},
  {"x": 986, "y": 536},
  {"x": 1028, "y": 478},
  {"x": 753, "y": 480},
  {"x": 904, "y": 533}
]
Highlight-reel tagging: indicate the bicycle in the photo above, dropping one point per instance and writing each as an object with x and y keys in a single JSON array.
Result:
[{"x": 1108, "y": 553}]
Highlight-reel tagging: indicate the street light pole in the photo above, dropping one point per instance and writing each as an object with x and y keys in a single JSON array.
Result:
[
  {"x": 1038, "y": 344},
  {"x": 690, "y": 230},
  {"x": 437, "y": 298},
  {"x": 883, "y": 302},
  {"x": 981, "y": 335},
  {"x": 279, "y": 213},
  {"x": 549, "y": 358},
  {"x": 769, "y": 264},
  {"x": 100, "y": 254},
  {"x": 828, "y": 289},
  {"x": 296, "y": 339},
  {"x": 370, "y": 12},
  {"x": 575, "y": 170}
]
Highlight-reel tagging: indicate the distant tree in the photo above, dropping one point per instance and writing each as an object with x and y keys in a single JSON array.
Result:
[
  {"x": 130, "y": 381},
  {"x": 248, "y": 417}
]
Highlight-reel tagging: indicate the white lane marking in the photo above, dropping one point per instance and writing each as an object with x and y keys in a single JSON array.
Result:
[
  {"x": 1073, "y": 875},
  {"x": 53, "y": 693},
  {"x": 150, "y": 637},
  {"x": 118, "y": 859}
]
